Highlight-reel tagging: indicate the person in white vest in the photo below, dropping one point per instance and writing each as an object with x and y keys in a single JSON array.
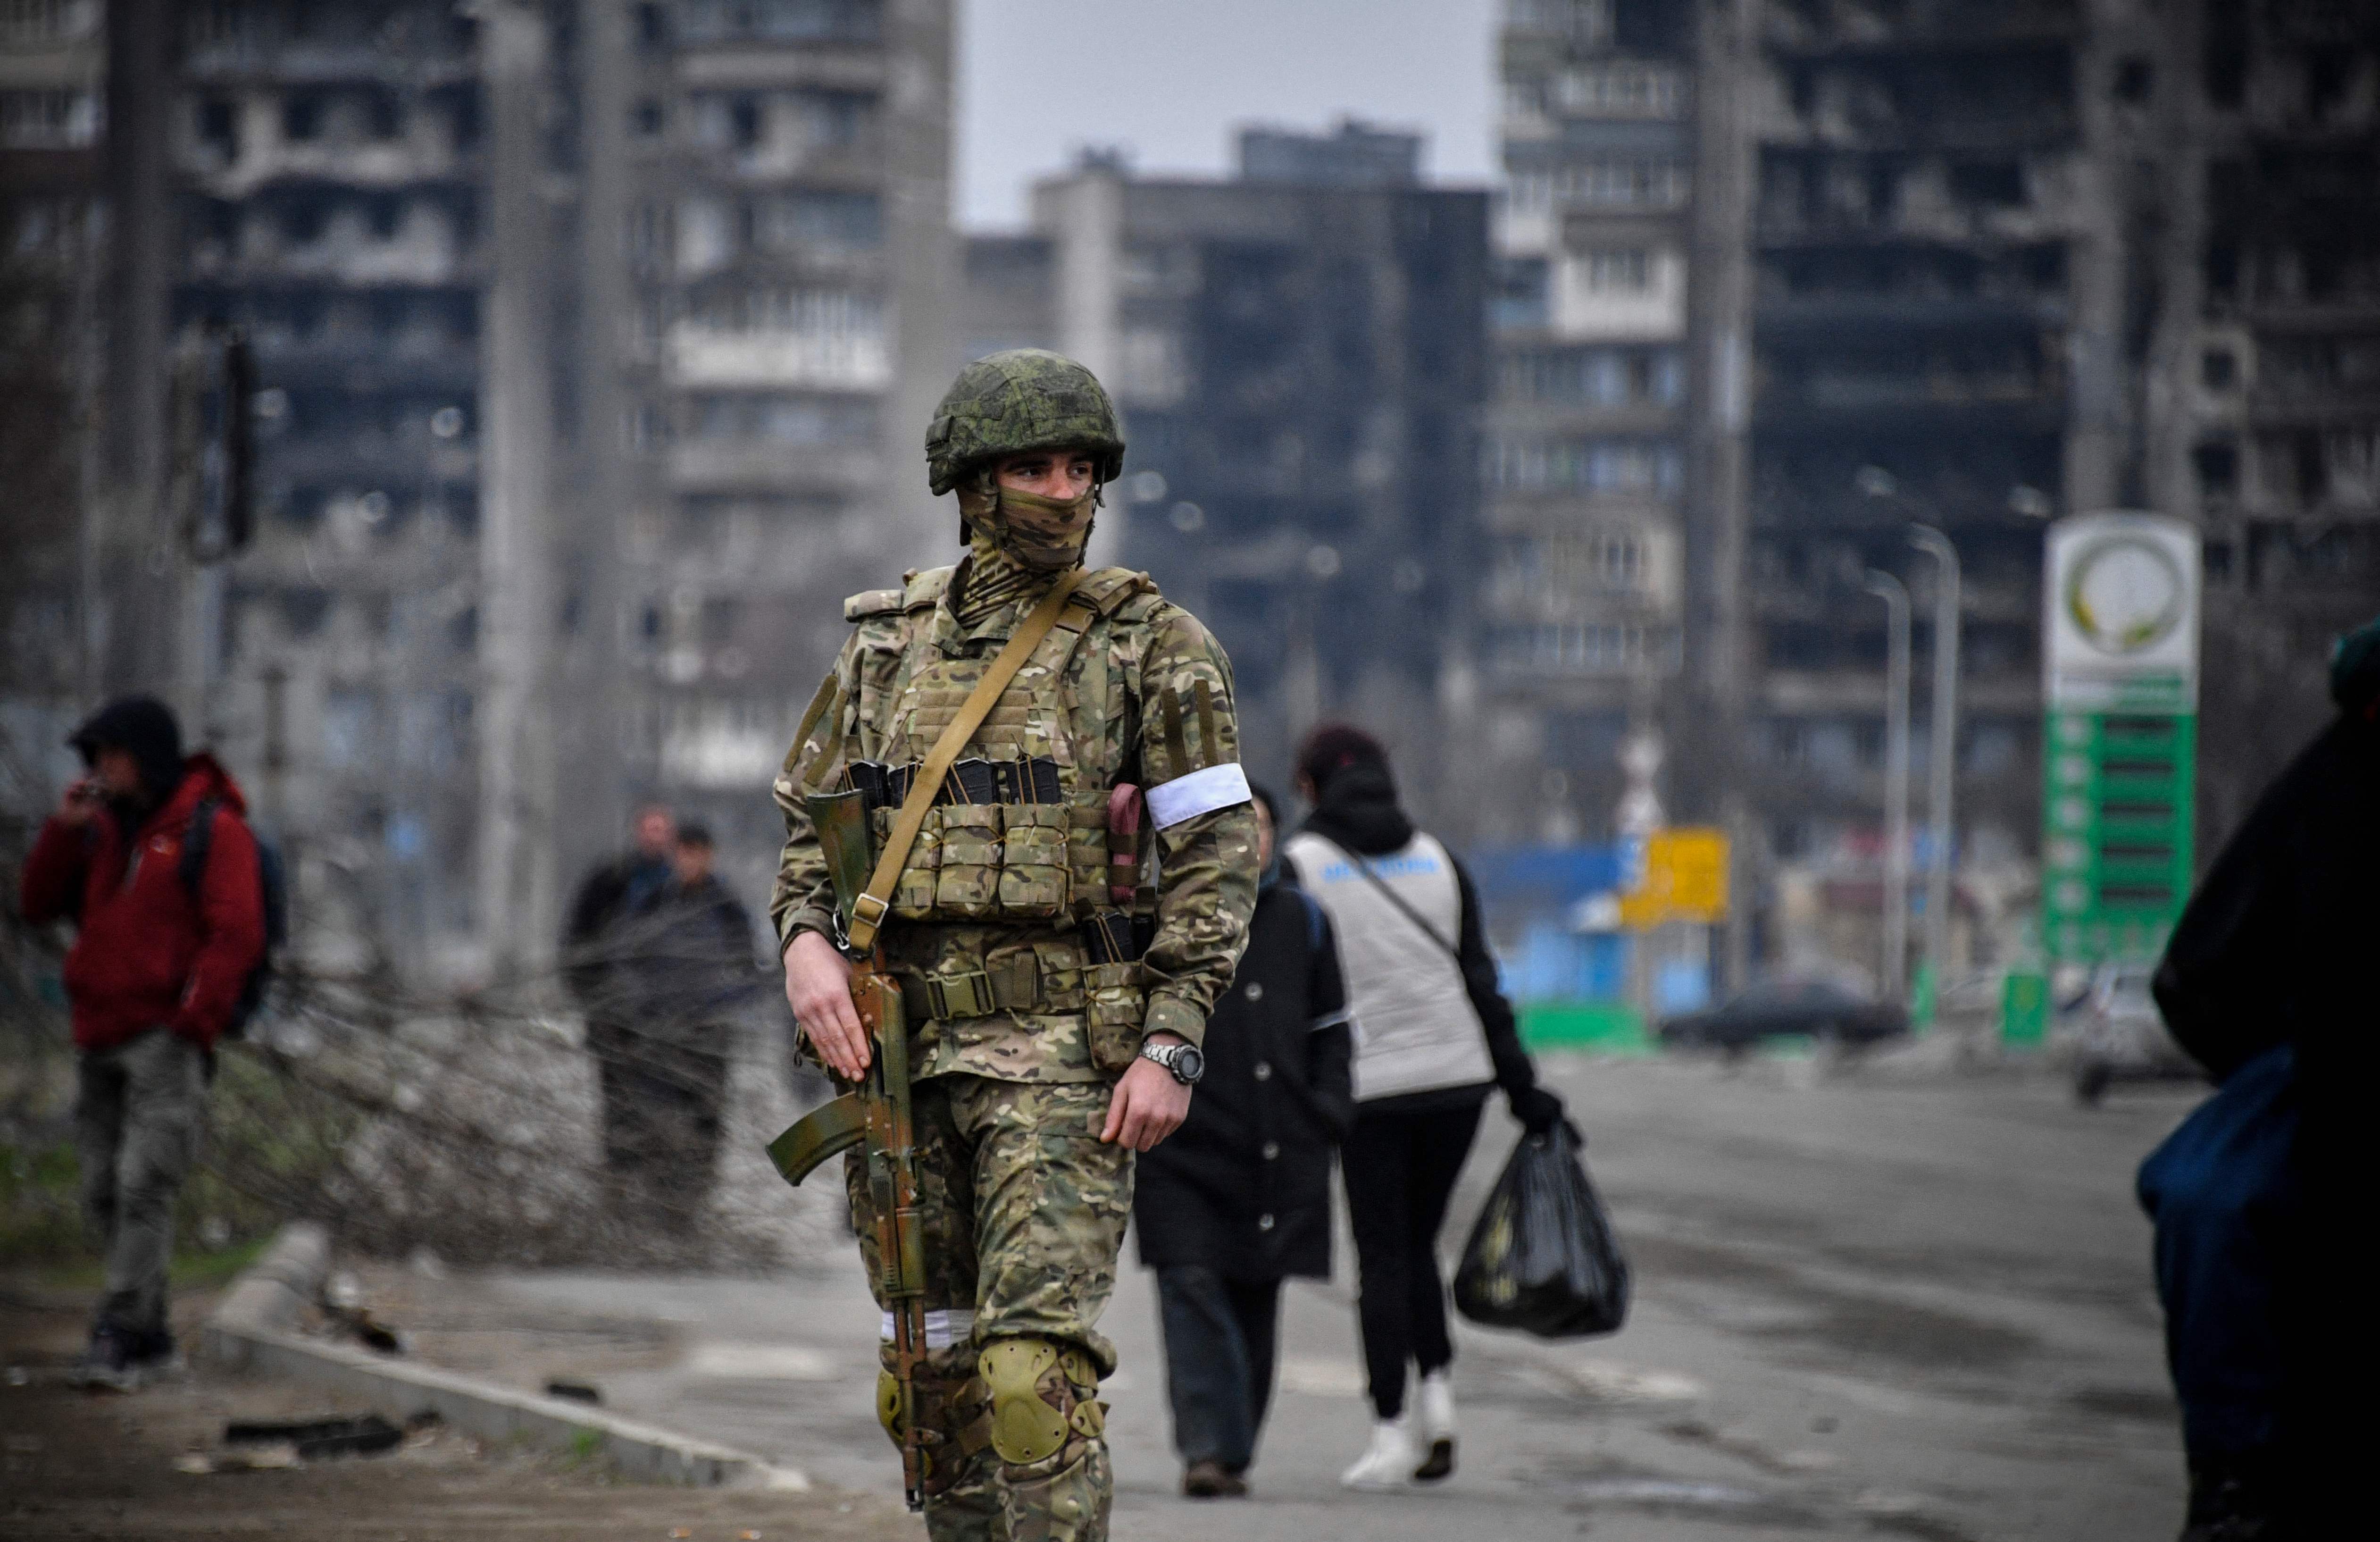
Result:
[{"x": 1436, "y": 1035}]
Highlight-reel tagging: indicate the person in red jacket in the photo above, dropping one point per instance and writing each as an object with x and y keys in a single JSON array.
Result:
[{"x": 157, "y": 967}]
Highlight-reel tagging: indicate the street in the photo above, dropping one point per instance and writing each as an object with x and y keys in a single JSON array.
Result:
[{"x": 1870, "y": 1302}]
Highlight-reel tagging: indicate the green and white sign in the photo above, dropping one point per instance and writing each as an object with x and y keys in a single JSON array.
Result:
[{"x": 2119, "y": 746}]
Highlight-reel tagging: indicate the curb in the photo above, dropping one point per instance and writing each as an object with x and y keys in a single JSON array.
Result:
[{"x": 253, "y": 1331}]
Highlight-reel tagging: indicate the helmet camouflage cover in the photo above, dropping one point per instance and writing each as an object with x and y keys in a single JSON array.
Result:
[{"x": 1020, "y": 399}]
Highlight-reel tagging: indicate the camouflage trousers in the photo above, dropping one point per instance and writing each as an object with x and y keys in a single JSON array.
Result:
[{"x": 1023, "y": 1209}]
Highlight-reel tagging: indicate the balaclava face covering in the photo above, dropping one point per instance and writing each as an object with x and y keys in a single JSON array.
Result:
[{"x": 1018, "y": 541}]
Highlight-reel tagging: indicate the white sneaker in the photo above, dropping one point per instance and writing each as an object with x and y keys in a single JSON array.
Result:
[
  {"x": 1433, "y": 1417},
  {"x": 1388, "y": 1463}
]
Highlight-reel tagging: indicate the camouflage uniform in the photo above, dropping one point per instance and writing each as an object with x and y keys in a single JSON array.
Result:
[{"x": 1022, "y": 1204}]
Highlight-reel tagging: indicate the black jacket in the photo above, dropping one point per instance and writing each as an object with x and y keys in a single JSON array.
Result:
[
  {"x": 2278, "y": 944},
  {"x": 592, "y": 943},
  {"x": 1244, "y": 1186}
]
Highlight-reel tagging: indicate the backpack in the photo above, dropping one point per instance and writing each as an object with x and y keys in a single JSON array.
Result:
[{"x": 273, "y": 878}]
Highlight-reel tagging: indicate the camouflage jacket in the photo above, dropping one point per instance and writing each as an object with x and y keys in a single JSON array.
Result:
[{"x": 1144, "y": 696}]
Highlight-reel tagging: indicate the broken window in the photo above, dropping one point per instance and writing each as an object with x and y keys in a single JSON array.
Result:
[
  {"x": 302, "y": 116},
  {"x": 2217, "y": 464},
  {"x": 1996, "y": 184}
]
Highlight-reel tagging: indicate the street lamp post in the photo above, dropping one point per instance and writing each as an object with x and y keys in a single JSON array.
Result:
[
  {"x": 1896, "y": 779},
  {"x": 1942, "y": 757}
]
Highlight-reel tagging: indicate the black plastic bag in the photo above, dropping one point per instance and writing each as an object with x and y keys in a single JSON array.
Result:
[{"x": 1542, "y": 1257}]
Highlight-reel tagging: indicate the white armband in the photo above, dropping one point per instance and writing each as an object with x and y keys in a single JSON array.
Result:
[{"x": 1202, "y": 792}]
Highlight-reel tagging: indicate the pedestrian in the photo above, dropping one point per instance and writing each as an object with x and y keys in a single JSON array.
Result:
[
  {"x": 688, "y": 968},
  {"x": 1238, "y": 1199},
  {"x": 2257, "y": 1195},
  {"x": 599, "y": 965},
  {"x": 158, "y": 964},
  {"x": 1437, "y": 1034},
  {"x": 1054, "y": 1027}
]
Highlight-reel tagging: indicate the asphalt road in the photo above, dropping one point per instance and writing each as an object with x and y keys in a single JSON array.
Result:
[{"x": 1871, "y": 1302}]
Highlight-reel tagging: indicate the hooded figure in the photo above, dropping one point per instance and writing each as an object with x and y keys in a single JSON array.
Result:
[
  {"x": 2268, "y": 982},
  {"x": 1437, "y": 1034}
]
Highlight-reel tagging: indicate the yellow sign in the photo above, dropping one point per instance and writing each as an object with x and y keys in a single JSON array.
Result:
[{"x": 1686, "y": 880}]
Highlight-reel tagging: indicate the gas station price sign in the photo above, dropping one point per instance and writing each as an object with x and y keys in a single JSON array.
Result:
[{"x": 2119, "y": 745}]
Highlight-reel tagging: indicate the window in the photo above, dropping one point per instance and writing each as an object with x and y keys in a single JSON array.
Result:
[
  {"x": 2219, "y": 368},
  {"x": 1602, "y": 184},
  {"x": 302, "y": 116},
  {"x": 2218, "y": 470},
  {"x": 646, "y": 120},
  {"x": 780, "y": 419},
  {"x": 49, "y": 119},
  {"x": 1519, "y": 301},
  {"x": 1626, "y": 272},
  {"x": 1618, "y": 89},
  {"x": 1595, "y": 562},
  {"x": 1585, "y": 647},
  {"x": 32, "y": 23},
  {"x": 709, "y": 21},
  {"x": 1579, "y": 21},
  {"x": 743, "y": 121},
  {"x": 1584, "y": 465},
  {"x": 2135, "y": 78},
  {"x": 790, "y": 221},
  {"x": 1997, "y": 183},
  {"x": 1604, "y": 377}
]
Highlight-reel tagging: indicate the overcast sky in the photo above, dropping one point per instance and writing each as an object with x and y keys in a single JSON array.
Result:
[{"x": 1170, "y": 80}]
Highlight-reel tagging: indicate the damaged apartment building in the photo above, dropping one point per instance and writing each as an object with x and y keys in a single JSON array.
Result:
[
  {"x": 578, "y": 331},
  {"x": 1299, "y": 356},
  {"x": 1583, "y": 455},
  {"x": 1978, "y": 267}
]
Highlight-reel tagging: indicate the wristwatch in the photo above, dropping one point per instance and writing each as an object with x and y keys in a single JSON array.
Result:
[{"x": 1185, "y": 1062}]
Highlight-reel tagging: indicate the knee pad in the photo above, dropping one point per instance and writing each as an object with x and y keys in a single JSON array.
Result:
[{"x": 1041, "y": 1397}]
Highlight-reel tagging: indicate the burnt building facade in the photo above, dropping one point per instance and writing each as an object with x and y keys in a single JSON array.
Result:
[
  {"x": 1299, "y": 354},
  {"x": 52, "y": 271},
  {"x": 1582, "y": 467},
  {"x": 1980, "y": 267},
  {"x": 580, "y": 337}
]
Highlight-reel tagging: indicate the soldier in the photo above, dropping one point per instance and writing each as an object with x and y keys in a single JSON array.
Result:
[{"x": 1057, "y": 994}]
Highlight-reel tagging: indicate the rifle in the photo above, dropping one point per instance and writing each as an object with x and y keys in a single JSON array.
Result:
[{"x": 878, "y": 1113}]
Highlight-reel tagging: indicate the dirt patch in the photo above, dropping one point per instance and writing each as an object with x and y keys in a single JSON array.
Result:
[{"x": 80, "y": 1465}]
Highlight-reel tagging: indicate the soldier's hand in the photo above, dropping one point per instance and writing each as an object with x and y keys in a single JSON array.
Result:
[
  {"x": 817, "y": 987},
  {"x": 1146, "y": 1106}
]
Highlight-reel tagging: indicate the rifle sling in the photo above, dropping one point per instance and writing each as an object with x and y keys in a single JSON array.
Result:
[{"x": 867, "y": 912}]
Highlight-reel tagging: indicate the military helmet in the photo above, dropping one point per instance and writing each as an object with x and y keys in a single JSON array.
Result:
[{"x": 1020, "y": 399}]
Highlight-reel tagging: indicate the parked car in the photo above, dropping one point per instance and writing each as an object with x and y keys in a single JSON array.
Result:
[
  {"x": 2119, "y": 1036},
  {"x": 1779, "y": 1009}
]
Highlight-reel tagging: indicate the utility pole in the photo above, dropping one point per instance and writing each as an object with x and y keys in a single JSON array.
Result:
[
  {"x": 1896, "y": 779},
  {"x": 608, "y": 485},
  {"x": 924, "y": 270},
  {"x": 518, "y": 616},
  {"x": 139, "y": 554},
  {"x": 1719, "y": 327},
  {"x": 1941, "y": 762}
]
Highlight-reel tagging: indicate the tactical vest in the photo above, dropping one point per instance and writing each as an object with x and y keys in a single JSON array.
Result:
[{"x": 1020, "y": 831}]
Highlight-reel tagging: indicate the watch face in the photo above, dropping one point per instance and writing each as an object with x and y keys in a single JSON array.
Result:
[{"x": 1189, "y": 1064}]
